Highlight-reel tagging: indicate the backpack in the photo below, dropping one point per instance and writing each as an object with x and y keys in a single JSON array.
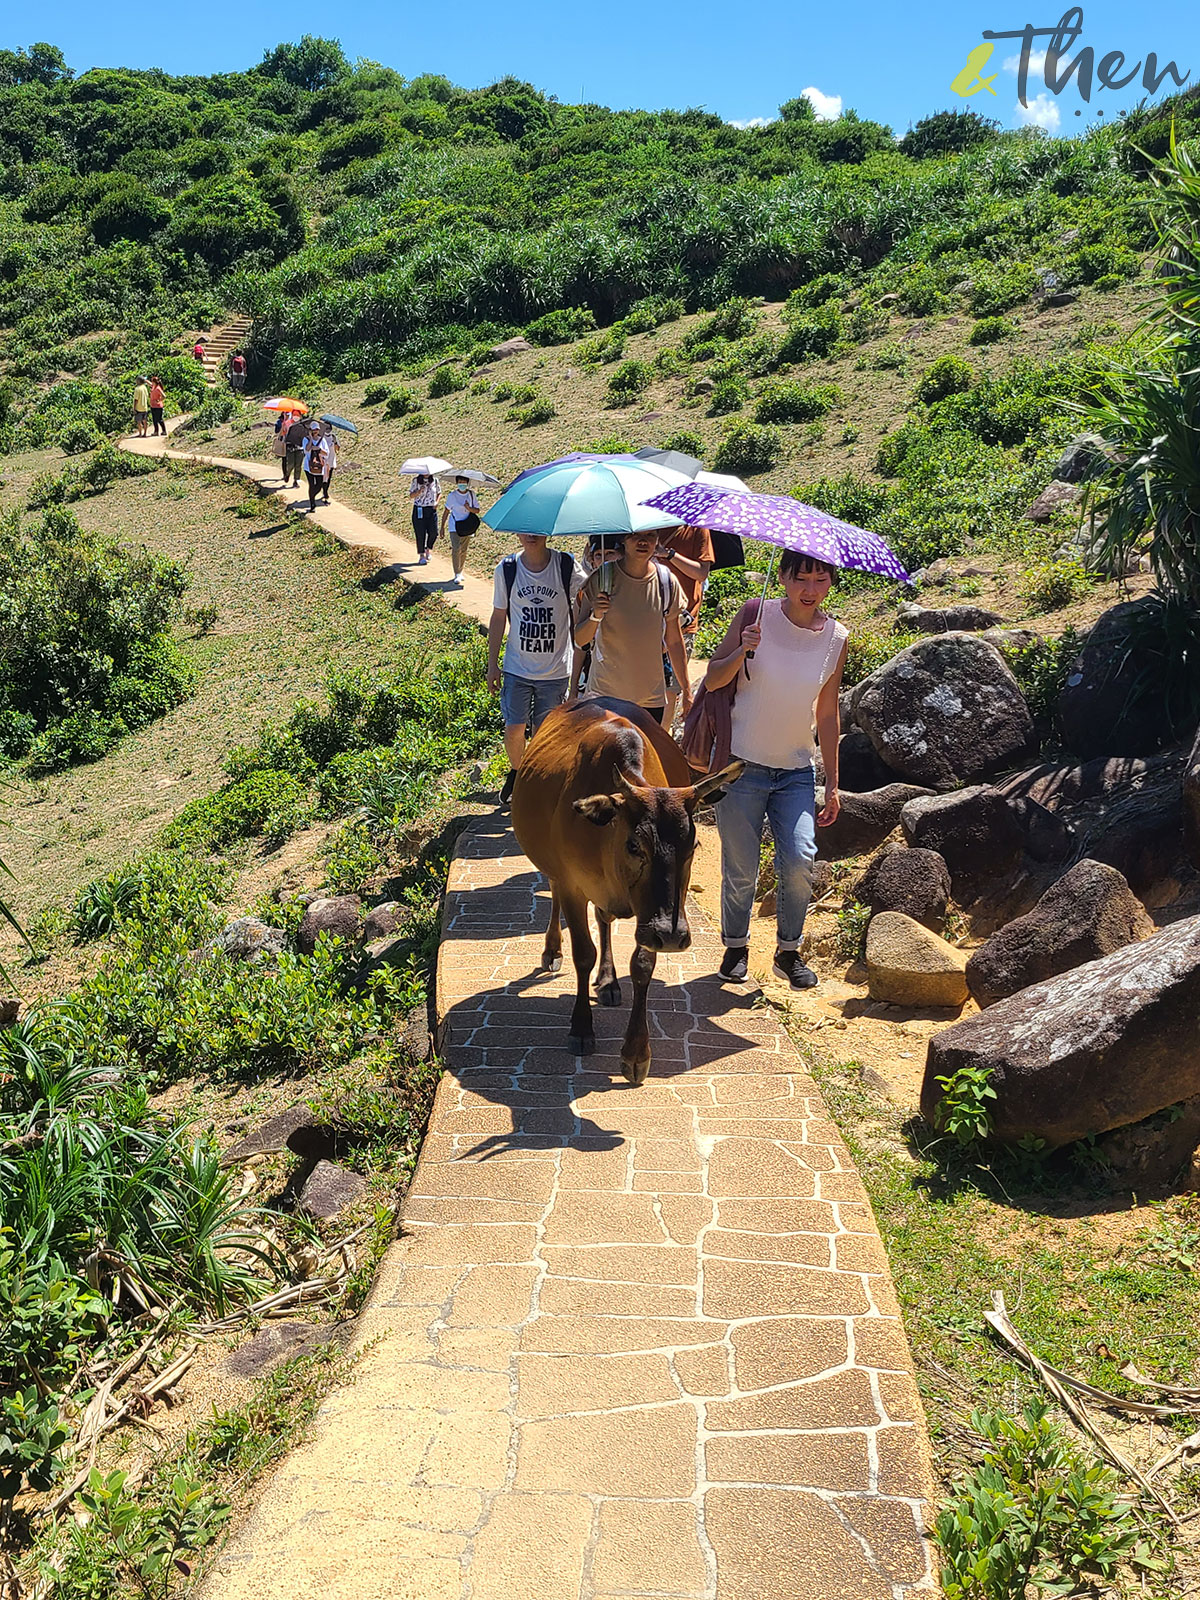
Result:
[
  {"x": 727, "y": 549},
  {"x": 566, "y": 571}
]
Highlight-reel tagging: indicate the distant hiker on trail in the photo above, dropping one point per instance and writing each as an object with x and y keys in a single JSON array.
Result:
[
  {"x": 295, "y": 432},
  {"x": 425, "y": 493},
  {"x": 462, "y": 512},
  {"x": 141, "y": 407},
  {"x": 157, "y": 401},
  {"x": 198, "y": 349},
  {"x": 630, "y": 610},
  {"x": 318, "y": 457},
  {"x": 237, "y": 372},
  {"x": 532, "y": 598},
  {"x": 330, "y": 439}
]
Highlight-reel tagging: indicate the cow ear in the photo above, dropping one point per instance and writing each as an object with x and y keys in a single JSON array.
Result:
[
  {"x": 714, "y": 786},
  {"x": 600, "y": 808}
]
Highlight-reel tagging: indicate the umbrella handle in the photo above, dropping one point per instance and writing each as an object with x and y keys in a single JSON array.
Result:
[{"x": 763, "y": 598}]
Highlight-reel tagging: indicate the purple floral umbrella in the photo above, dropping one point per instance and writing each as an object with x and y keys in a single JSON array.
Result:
[{"x": 778, "y": 519}]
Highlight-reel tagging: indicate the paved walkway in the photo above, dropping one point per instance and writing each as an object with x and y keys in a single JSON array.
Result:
[{"x": 629, "y": 1341}]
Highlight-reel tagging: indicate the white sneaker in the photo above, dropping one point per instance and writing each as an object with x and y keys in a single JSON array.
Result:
[
  {"x": 424, "y": 558},
  {"x": 458, "y": 583}
]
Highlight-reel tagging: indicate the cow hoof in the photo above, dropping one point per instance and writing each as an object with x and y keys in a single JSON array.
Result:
[
  {"x": 552, "y": 964},
  {"x": 635, "y": 1072},
  {"x": 581, "y": 1044},
  {"x": 609, "y": 994}
]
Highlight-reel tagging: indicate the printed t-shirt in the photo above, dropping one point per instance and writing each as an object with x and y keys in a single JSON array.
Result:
[
  {"x": 627, "y": 657},
  {"x": 141, "y": 398},
  {"x": 539, "y": 621},
  {"x": 696, "y": 545},
  {"x": 459, "y": 502}
]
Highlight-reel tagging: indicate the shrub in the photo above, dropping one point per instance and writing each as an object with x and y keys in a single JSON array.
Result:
[
  {"x": 748, "y": 447},
  {"x": 400, "y": 402},
  {"x": 414, "y": 420},
  {"x": 947, "y": 133},
  {"x": 603, "y": 348},
  {"x": 729, "y": 394},
  {"x": 630, "y": 379},
  {"x": 528, "y": 416},
  {"x": 446, "y": 380},
  {"x": 502, "y": 391},
  {"x": 1055, "y": 584},
  {"x": 561, "y": 326},
  {"x": 1041, "y": 669},
  {"x": 646, "y": 315},
  {"x": 273, "y": 804},
  {"x": 922, "y": 291},
  {"x": 867, "y": 650},
  {"x": 815, "y": 334},
  {"x": 376, "y": 392},
  {"x": 481, "y": 386},
  {"x": 988, "y": 329},
  {"x": 996, "y": 289},
  {"x": 78, "y": 437},
  {"x": 890, "y": 357},
  {"x": 866, "y": 321},
  {"x": 796, "y": 402},
  {"x": 688, "y": 443},
  {"x": 733, "y": 320},
  {"x": 523, "y": 393},
  {"x": 946, "y": 376},
  {"x": 829, "y": 286},
  {"x": 611, "y": 444}
]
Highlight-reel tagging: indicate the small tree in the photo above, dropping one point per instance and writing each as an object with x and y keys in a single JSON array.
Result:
[
  {"x": 947, "y": 133},
  {"x": 312, "y": 64}
]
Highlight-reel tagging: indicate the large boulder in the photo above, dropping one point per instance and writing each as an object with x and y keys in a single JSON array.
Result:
[
  {"x": 508, "y": 347},
  {"x": 1138, "y": 828},
  {"x": 865, "y": 820},
  {"x": 1090, "y": 912},
  {"x": 1056, "y": 785},
  {"x": 337, "y": 916},
  {"x": 915, "y": 882},
  {"x": 1052, "y": 498},
  {"x": 909, "y": 965},
  {"x": 945, "y": 711},
  {"x": 1086, "y": 456},
  {"x": 974, "y": 831},
  {"x": 859, "y": 764},
  {"x": 913, "y": 618},
  {"x": 1095, "y": 1048},
  {"x": 249, "y": 939},
  {"x": 1101, "y": 710},
  {"x": 1191, "y": 804},
  {"x": 1048, "y": 838}
]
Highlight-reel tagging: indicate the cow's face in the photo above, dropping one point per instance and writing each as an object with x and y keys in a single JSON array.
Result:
[{"x": 650, "y": 840}]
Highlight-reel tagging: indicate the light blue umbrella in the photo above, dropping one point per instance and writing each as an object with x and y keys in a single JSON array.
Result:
[{"x": 578, "y": 498}]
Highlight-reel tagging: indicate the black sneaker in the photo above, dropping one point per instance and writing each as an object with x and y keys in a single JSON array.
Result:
[
  {"x": 506, "y": 788},
  {"x": 735, "y": 964},
  {"x": 789, "y": 965}
]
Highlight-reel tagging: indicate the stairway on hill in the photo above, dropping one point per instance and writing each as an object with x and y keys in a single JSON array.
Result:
[{"x": 231, "y": 335}]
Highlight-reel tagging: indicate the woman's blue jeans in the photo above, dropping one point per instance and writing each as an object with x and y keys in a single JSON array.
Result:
[{"x": 784, "y": 797}]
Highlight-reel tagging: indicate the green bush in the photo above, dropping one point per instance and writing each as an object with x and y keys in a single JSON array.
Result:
[
  {"x": 988, "y": 329},
  {"x": 729, "y": 394},
  {"x": 603, "y": 348},
  {"x": 685, "y": 441},
  {"x": 561, "y": 326},
  {"x": 866, "y": 321},
  {"x": 400, "y": 403},
  {"x": 946, "y": 376},
  {"x": 748, "y": 447},
  {"x": 890, "y": 357},
  {"x": 922, "y": 291},
  {"x": 734, "y": 320},
  {"x": 446, "y": 380},
  {"x": 997, "y": 289},
  {"x": 267, "y": 804},
  {"x": 78, "y": 437},
  {"x": 796, "y": 402},
  {"x": 811, "y": 336},
  {"x": 529, "y": 416},
  {"x": 375, "y": 393},
  {"x": 631, "y": 379},
  {"x": 817, "y": 292},
  {"x": 1055, "y": 584}
]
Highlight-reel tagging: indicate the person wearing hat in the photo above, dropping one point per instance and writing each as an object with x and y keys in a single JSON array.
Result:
[
  {"x": 317, "y": 454},
  {"x": 461, "y": 510}
]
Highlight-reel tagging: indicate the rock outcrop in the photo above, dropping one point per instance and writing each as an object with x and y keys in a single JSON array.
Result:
[
  {"x": 908, "y": 965},
  {"x": 945, "y": 711},
  {"x": 865, "y": 820},
  {"x": 1095, "y": 1048},
  {"x": 915, "y": 882},
  {"x": 1100, "y": 711},
  {"x": 974, "y": 831},
  {"x": 337, "y": 915},
  {"x": 1087, "y": 914},
  {"x": 913, "y": 618}
]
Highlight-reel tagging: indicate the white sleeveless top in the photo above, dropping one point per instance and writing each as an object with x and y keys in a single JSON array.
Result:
[{"x": 774, "y": 711}]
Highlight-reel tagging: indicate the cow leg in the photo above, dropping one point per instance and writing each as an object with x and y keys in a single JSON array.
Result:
[
  {"x": 582, "y": 1038},
  {"x": 552, "y": 949},
  {"x": 608, "y": 990},
  {"x": 635, "y": 1050}
]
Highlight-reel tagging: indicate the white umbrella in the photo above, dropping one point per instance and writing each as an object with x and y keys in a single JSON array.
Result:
[
  {"x": 471, "y": 474},
  {"x": 431, "y": 465}
]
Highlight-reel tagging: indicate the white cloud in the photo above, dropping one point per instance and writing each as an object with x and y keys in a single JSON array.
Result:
[
  {"x": 751, "y": 122},
  {"x": 1042, "y": 112},
  {"x": 828, "y": 107},
  {"x": 1037, "y": 64}
]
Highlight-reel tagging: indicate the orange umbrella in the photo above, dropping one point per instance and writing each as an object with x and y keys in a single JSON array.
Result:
[{"x": 283, "y": 403}]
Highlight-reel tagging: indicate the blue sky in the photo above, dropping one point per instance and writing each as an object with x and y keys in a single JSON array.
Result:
[{"x": 887, "y": 61}]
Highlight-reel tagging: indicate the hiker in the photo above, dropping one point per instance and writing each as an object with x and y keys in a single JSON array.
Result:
[
  {"x": 295, "y": 432},
  {"x": 425, "y": 493},
  {"x": 462, "y": 511},
  {"x": 141, "y": 407},
  {"x": 237, "y": 372},
  {"x": 596, "y": 552},
  {"x": 630, "y": 609},
  {"x": 792, "y": 682},
  {"x": 331, "y": 457},
  {"x": 532, "y": 598},
  {"x": 198, "y": 348},
  {"x": 157, "y": 401},
  {"x": 318, "y": 454}
]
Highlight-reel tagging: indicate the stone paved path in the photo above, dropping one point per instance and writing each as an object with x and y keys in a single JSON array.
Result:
[{"x": 629, "y": 1341}]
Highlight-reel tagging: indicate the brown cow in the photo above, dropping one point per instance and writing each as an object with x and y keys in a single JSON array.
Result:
[{"x": 603, "y": 804}]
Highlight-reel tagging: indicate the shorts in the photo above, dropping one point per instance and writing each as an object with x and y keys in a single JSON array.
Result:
[
  {"x": 141, "y": 416},
  {"x": 530, "y": 700},
  {"x": 458, "y": 540}
]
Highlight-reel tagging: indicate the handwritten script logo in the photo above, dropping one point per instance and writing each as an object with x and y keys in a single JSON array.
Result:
[{"x": 1109, "y": 71}]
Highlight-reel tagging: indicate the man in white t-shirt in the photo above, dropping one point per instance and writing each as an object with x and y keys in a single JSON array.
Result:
[
  {"x": 460, "y": 504},
  {"x": 533, "y": 596}
]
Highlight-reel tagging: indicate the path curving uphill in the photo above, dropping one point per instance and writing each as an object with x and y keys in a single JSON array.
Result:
[{"x": 628, "y": 1341}]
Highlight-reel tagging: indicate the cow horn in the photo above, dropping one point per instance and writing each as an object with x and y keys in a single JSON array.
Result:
[
  {"x": 714, "y": 786},
  {"x": 627, "y": 784}
]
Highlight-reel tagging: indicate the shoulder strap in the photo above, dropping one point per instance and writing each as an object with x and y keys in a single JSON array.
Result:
[
  {"x": 664, "y": 591},
  {"x": 509, "y": 568},
  {"x": 566, "y": 571}
]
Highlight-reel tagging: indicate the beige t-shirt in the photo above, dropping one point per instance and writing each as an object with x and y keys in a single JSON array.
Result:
[{"x": 627, "y": 657}]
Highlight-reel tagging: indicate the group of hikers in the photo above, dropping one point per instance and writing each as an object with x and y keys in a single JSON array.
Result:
[{"x": 308, "y": 445}]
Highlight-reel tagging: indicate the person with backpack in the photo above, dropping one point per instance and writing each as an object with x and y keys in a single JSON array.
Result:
[
  {"x": 532, "y": 599},
  {"x": 629, "y": 611},
  {"x": 781, "y": 664},
  {"x": 461, "y": 510},
  {"x": 237, "y": 372}
]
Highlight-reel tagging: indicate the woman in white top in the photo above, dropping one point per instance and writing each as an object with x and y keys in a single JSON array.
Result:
[
  {"x": 318, "y": 459},
  {"x": 425, "y": 493},
  {"x": 792, "y": 682}
]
